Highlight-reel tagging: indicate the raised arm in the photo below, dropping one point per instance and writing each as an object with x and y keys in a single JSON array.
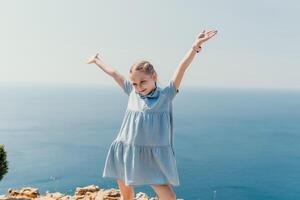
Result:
[
  {"x": 107, "y": 69},
  {"x": 188, "y": 58}
]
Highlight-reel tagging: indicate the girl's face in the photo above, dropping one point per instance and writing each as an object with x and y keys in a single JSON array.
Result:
[{"x": 142, "y": 82}]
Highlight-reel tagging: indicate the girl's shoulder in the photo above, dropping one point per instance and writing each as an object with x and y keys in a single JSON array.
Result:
[
  {"x": 170, "y": 90},
  {"x": 127, "y": 86}
]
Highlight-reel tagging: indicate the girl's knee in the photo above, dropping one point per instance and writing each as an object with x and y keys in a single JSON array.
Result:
[
  {"x": 127, "y": 195},
  {"x": 164, "y": 192},
  {"x": 171, "y": 196},
  {"x": 167, "y": 197}
]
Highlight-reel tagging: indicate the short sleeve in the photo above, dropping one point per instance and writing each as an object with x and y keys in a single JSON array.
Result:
[
  {"x": 170, "y": 90},
  {"x": 127, "y": 86}
]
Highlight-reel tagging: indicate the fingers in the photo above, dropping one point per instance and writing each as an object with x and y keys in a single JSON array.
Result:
[
  {"x": 212, "y": 33},
  {"x": 208, "y": 34},
  {"x": 201, "y": 34},
  {"x": 89, "y": 61},
  {"x": 92, "y": 58},
  {"x": 96, "y": 56}
]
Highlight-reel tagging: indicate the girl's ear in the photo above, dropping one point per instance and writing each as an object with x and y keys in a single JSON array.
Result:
[{"x": 154, "y": 76}]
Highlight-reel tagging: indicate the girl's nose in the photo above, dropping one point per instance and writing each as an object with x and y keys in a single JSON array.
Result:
[{"x": 140, "y": 87}]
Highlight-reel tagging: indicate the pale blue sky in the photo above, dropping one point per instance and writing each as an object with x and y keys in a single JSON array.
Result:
[{"x": 48, "y": 41}]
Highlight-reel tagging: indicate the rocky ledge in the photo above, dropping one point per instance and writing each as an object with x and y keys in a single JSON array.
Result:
[{"x": 91, "y": 192}]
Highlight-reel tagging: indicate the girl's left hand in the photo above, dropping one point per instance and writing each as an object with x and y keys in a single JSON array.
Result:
[
  {"x": 203, "y": 37},
  {"x": 93, "y": 58}
]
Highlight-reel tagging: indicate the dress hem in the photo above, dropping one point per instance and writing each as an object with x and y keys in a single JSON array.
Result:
[{"x": 140, "y": 184}]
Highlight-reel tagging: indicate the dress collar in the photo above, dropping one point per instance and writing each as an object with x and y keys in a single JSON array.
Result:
[{"x": 153, "y": 94}]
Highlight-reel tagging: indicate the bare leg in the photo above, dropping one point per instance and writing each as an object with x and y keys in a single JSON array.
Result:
[
  {"x": 164, "y": 192},
  {"x": 127, "y": 192}
]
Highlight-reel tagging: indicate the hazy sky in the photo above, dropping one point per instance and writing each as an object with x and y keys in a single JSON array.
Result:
[{"x": 48, "y": 41}]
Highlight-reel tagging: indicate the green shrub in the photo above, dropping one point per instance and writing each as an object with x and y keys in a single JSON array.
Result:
[{"x": 3, "y": 162}]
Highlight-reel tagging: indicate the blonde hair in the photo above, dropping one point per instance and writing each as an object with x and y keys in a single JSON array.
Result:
[{"x": 143, "y": 66}]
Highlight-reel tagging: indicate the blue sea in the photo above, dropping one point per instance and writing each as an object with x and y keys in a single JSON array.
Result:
[{"x": 236, "y": 144}]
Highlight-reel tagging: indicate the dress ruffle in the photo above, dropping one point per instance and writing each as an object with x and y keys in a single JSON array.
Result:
[{"x": 141, "y": 165}]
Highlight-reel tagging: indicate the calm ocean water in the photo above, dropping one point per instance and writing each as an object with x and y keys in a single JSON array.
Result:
[{"x": 243, "y": 144}]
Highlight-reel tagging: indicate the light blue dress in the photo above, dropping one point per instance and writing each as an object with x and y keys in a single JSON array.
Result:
[{"x": 142, "y": 153}]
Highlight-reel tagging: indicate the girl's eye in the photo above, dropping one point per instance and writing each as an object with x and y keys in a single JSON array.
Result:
[{"x": 142, "y": 83}]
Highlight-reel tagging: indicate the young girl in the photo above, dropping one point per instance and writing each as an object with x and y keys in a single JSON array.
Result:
[{"x": 143, "y": 153}]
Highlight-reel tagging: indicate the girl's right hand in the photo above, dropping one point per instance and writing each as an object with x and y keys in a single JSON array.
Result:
[
  {"x": 203, "y": 37},
  {"x": 93, "y": 59}
]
